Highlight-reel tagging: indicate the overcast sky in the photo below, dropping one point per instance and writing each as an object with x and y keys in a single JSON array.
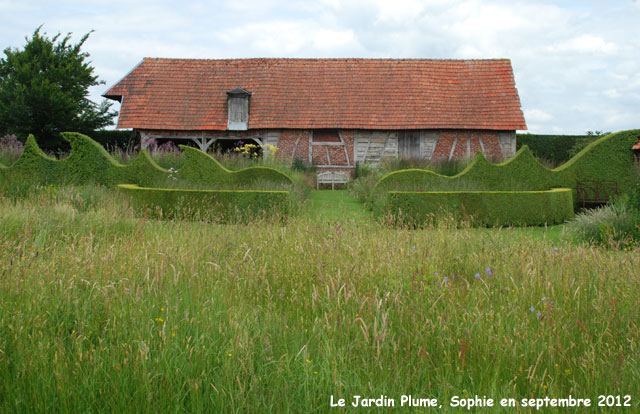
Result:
[{"x": 576, "y": 63}]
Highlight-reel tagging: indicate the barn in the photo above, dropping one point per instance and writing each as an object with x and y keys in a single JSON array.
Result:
[{"x": 332, "y": 113}]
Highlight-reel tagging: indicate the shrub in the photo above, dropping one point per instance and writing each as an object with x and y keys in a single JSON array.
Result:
[
  {"x": 362, "y": 186},
  {"x": 492, "y": 208},
  {"x": 202, "y": 168},
  {"x": 555, "y": 148},
  {"x": 614, "y": 225},
  {"x": 608, "y": 158},
  {"x": 208, "y": 205},
  {"x": 582, "y": 142},
  {"x": 366, "y": 176},
  {"x": 33, "y": 166},
  {"x": 90, "y": 163},
  {"x": 299, "y": 165},
  {"x": 122, "y": 140},
  {"x": 441, "y": 166}
]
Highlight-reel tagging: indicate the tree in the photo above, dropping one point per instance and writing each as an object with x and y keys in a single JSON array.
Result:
[{"x": 44, "y": 90}]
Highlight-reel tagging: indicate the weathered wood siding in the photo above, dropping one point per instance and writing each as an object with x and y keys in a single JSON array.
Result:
[
  {"x": 373, "y": 146},
  {"x": 345, "y": 148}
]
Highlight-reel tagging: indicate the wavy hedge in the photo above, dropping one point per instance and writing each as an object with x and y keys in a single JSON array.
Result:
[
  {"x": 89, "y": 162},
  {"x": 212, "y": 205},
  {"x": 608, "y": 158},
  {"x": 555, "y": 148},
  {"x": 202, "y": 168},
  {"x": 492, "y": 208}
]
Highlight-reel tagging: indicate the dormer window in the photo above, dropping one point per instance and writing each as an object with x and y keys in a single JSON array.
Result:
[{"x": 238, "y": 106}]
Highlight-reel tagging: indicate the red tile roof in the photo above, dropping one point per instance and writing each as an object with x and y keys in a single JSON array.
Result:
[{"x": 189, "y": 94}]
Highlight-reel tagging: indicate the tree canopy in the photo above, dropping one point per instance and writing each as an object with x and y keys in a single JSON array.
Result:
[{"x": 44, "y": 90}]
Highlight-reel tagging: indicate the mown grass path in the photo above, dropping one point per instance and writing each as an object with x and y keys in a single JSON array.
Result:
[
  {"x": 339, "y": 205},
  {"x": 335, "y": 205}
]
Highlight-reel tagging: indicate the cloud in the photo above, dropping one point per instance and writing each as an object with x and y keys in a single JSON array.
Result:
[
  {"x": 585, "y": 44},
  {"x": 289, "y": 39},
  {"x": 333, "y": 40},
  {"x": 537, "y": 115}
]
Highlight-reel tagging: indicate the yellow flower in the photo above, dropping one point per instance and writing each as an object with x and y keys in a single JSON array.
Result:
[
  {"x": 315, "y": 372},
  {"x": 229, "y": 355},
  {"x": 308, "y": 362},
  {"x": 160, "y": 320},
  {"x": 567, "y": 371}
]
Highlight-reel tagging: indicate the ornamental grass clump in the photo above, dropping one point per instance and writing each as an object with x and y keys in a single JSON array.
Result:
[
  {"x": 10, "y": 149},
  {"x": 614, "y": 225}
]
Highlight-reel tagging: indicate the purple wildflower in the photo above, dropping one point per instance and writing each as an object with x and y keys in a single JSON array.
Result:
[
  {"x": 477, "y": 275},
  {"x": 445, "y": 280},
  {"x": 488, "y": 271},
  {"x": 532, "y": 309}
]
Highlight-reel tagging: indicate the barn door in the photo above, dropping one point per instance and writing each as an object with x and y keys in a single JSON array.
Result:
[{"x": 409, "y": 144}]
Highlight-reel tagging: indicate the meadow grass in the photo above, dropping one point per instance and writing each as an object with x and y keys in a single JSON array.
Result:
[{"x": 103, "y": 311}]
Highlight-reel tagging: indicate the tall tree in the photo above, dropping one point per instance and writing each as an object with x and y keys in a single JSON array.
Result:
[{"x": 44, "y": 90}]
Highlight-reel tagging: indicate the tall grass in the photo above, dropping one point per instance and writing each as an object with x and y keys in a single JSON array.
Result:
[
  {"x": 440, "y": 166},
  {"x": 614, "y": 225},
  {"x": 10, "y": 149},
  {"x": 104, "y": 311}
]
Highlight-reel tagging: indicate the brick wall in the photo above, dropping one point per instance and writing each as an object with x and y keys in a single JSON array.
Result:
[
  {"x": 468, "y": 143},
  {"x": 295, "y": 144}
]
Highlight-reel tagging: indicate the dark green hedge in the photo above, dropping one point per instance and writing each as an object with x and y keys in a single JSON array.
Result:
[
  {"x": 200, "y": 167},
  {"x": 89, "y": 162},
  {"x": 608, "y": 158},
  {"x": 555, "y": 148},
  {"x": 210, "y": 205},
  {"x": 115, "y": 139},
  {"x": 492, "y": 208}
]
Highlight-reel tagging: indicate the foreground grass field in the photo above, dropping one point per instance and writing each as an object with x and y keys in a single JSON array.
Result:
[{"x": 103, "y": 311}]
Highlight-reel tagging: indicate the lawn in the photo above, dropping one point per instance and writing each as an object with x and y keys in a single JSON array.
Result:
[
  {"x": 105, "y": 311},
  {"x": 335, "y": 205}
]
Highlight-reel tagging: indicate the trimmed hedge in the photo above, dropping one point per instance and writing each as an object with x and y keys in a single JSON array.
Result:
[
  {"x": 200, "y": 167},
  {"x": 89, "y": 162},
  {"x": 608, "y": 158},
  {"x": 492, "y": 208},
  {"x": 114, "y": 139},
  {"x": 555, "y": 148},
  {"x": 211, "y": 205}
]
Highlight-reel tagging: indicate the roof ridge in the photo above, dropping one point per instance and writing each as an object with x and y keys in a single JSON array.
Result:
[
  {"x": 356, "y": 93},
  {"x": 331, "y": 59}
]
